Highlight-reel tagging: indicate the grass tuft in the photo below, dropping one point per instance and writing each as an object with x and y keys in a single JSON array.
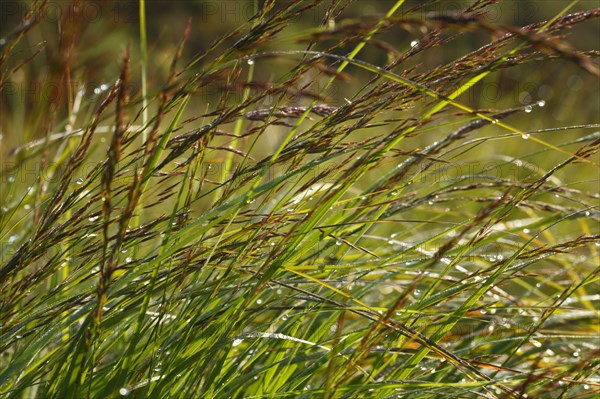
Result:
[{"x": 330, "y": 200}]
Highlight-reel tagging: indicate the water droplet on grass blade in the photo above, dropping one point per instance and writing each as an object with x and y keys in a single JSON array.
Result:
[
  {"x": 541, "y": 103},
  {"x": 250, "y": 61},
  {"x": 525, "y": 136},
  {"x": 528, "y": 108},
  {"x": 124, "y": 391}
]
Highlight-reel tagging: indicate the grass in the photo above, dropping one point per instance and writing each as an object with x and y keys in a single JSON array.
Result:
[{"x": 347, "y": 216}]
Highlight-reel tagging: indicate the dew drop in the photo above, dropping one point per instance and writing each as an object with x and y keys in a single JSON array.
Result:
[
  {"x": 528, "y": 108},
  {"x": 128, "y": 260},
  {"x": 124, "y": 391},
  {"x": 259, "y": 301},
  {"x": 526, "y": 231},
  {"x": 79, "y": 181},
  {"x": 338, "y": 243},
  {"x": 417, "y": 293},
  {"x": 541, "y": 103},
  {"x": 414, "y": 43},
  {"x": 237, "y": 341},
  {"x": 250, "y": 61},
  {"x": 525, "y": 136},
  {"x": 93, "y": 218}
]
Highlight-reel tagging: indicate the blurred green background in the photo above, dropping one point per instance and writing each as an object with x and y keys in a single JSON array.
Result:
[{"x": 79, "y": 45}]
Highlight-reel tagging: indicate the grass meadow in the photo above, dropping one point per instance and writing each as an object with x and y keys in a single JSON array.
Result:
[{"x": 299, "y": 199}]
